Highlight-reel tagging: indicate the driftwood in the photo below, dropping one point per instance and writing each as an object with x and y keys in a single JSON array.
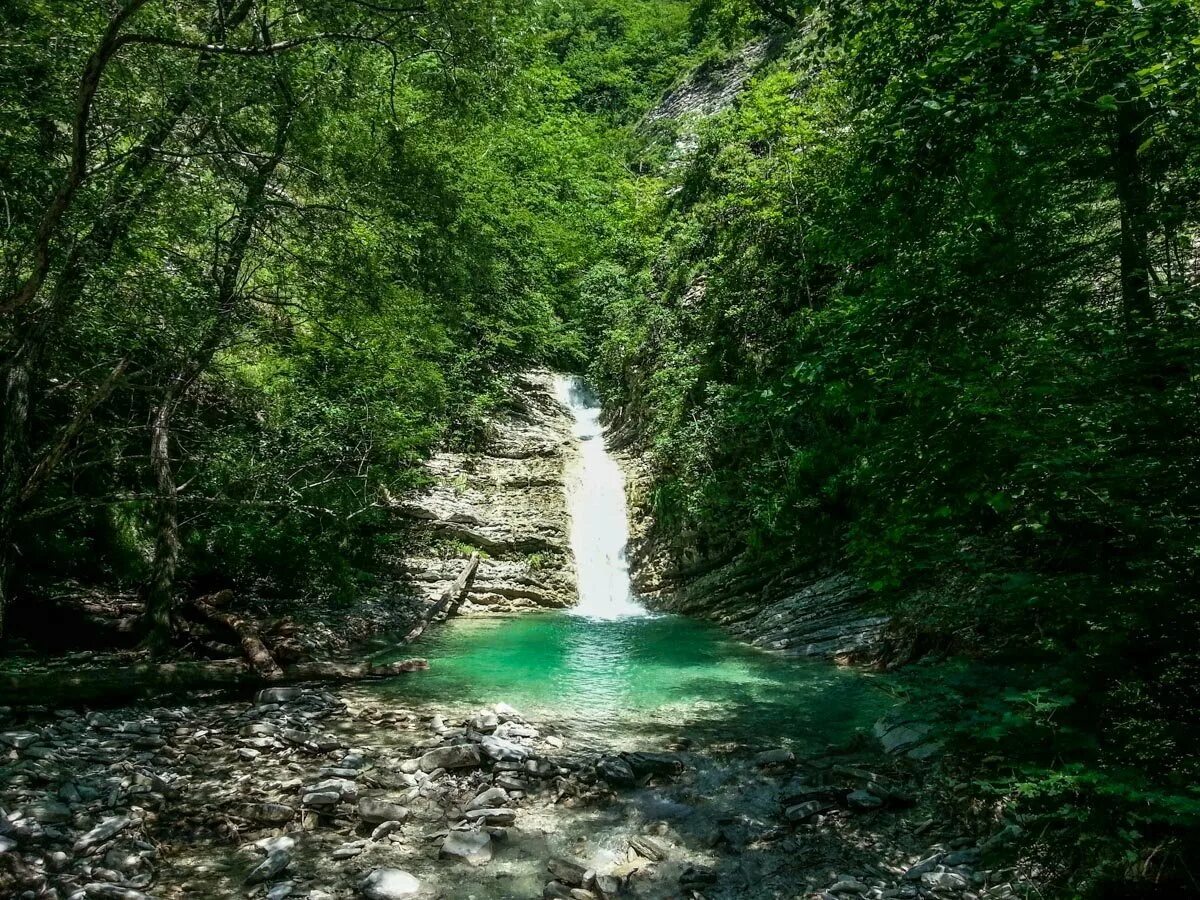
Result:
[
  {"x": 82, "y": 685},
  {"x": 449, "y": 601},
  {"x": 252, "y": 644}
]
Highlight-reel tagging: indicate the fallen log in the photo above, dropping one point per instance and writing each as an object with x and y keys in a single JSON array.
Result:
[
  {"x": 50, "y": 687},
  {"x": 252, "y": 644},
  {"x": 449, "y": 601}
]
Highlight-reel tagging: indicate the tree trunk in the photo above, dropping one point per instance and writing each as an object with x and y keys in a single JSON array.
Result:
[
  {"x": 256, "y": 651},
  {"x": 447, "y": 605},
  {"x": 13, "y": 462},
  {"x": 127, "y": 196},
  {"x": 160, "y": 597},
  {"x": 1136, "y": 299},
  {"x": 77, "y": 168},
  {"x": 160, "y": 594}
]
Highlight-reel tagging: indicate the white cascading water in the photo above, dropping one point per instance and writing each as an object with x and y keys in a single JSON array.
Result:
[{"x": 596, "y": 502}]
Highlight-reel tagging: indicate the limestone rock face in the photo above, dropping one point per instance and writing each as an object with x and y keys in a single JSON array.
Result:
[{"x": 507, "y": 500}]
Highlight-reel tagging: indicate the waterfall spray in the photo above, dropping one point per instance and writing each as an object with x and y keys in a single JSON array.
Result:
[{"x": 596, "y": 501}]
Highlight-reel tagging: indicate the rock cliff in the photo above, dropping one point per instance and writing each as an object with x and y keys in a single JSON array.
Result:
[{"x": 506, "y": 501}]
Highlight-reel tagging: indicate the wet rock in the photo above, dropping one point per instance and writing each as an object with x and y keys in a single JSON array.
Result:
[
  {"x": 390, "y": 884},
  {"x": 568, "y": 871},
  {"x": 607, "y": 886},
  {"x": 966, "y": 857},
  {"x": 493, "y": 796},
  {"x": 275, "y": 863},
  {"x": 374, "y": 810},
  {"x": 644, "y": 763},
  {"x": 651, "y": 848},
  {"x": 7, "y": 845},
  {"x": 616, "y": 771},
  {"x": 280, "y": 891},
  {"x": 470, "y": 847},
  {"x": 777, "y": 757},
  {"x": 556, "y": 890},
  {"x": 693, "y": 878},
  {"x": 456, "y": 756}
]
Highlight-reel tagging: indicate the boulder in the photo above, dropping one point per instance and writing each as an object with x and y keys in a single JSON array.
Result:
[
  {"x": 651, "y": 848},
  {"x": 863, "y": 801},
  {"x": 278, "y": 695},
  {"x": 616, "y": 771},
  {"x": 777, "y": 757},
  {"x": 493, "y": 796},
  {"x": 644, "y": 763},
  {"x": 802, "y": 812},
  {"x": 275, "y": 863},
  {"x": 501, "y": 750},
  {"x": 568, "y": 871},
  {"x": 48, "y": 812},
  {"x": 273, "y": 813},
  {"x": 495, "y": 816},
  {"x": 469, "y": 846},
  {"x": 374, "y": 810},
  {"x": 390, "y": 884},
  {"x": 456, "y": 756},
  {"x": 343, "y": 787}
]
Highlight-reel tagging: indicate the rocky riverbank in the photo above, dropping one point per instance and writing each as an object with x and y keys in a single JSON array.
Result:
[{"x": 329, "y": 794}]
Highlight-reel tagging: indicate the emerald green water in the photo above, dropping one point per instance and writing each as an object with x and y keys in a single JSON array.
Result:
[{"x": 638, "y": 679}]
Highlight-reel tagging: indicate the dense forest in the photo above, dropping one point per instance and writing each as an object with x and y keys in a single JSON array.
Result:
[{"x": 917, "y": 302}]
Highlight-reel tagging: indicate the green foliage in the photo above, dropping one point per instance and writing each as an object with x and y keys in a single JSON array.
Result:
[
  {"x": 444, "y": 197},
  {"x": 924, "y": 306}
]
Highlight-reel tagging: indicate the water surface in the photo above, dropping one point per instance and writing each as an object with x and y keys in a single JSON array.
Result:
[{"x": 638, "y": 681}]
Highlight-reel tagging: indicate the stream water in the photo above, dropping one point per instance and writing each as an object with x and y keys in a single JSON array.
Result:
[{"x": 609, "y": 671}]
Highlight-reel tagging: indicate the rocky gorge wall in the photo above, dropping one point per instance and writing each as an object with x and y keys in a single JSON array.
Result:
[
  {"x": 793, "y": 611},
  {"x": 508, "y": 503}
]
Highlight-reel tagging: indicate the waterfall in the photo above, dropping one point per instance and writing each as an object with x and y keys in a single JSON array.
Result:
[{"x": 596, "y": 502}]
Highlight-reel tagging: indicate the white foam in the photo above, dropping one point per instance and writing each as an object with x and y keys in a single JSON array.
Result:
[{"x": 596, "y": 502}]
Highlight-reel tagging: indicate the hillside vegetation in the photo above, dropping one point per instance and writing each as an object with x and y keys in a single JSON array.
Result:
[
  {"x": 923, "y": 306},
  {"x": 918, "y": 302}
]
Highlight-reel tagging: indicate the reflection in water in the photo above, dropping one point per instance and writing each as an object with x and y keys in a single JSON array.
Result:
[{"x": 629, "y": 681}]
